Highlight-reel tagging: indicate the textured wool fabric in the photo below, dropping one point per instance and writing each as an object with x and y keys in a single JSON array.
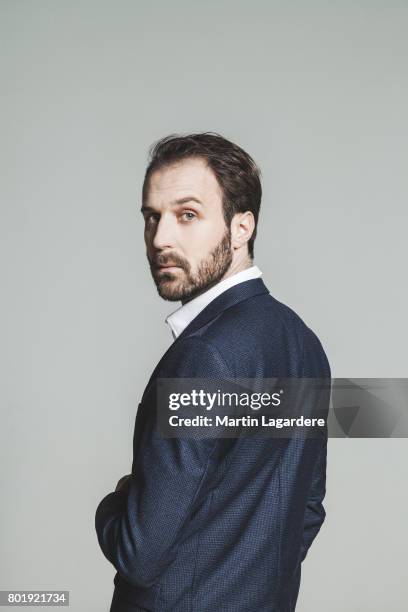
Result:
[
  {"x": 122, "y": 605},
  {"x": 220, "y": 524}
]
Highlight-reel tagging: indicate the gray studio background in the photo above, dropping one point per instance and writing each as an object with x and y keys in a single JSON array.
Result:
[{"x": 317, "y": 93}]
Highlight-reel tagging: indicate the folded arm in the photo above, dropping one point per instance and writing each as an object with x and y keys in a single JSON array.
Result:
[{"x": 138, "y": 526}]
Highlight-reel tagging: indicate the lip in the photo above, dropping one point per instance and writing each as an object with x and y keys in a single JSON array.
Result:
[{"x": 168, "y": 268}]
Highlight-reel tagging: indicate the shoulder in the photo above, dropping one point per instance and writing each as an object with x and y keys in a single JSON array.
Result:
[
  {"x": 257, "y": 337},
  {"x": 255, "y": 334},
  {"x": 260, "y": 318}
]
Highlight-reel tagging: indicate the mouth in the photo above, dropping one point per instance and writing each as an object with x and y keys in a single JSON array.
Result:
[{"x": 167, "y": 268}]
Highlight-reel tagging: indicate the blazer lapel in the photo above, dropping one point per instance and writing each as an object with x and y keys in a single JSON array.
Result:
[{"x": 227, "y": 299}]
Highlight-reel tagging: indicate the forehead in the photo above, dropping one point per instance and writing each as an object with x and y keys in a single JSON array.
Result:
[{"x": 188, "y": 177}]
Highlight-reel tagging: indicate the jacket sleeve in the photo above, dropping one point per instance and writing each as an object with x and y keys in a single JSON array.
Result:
[
  {"x": 316, "y": 366},
  {"x": 138, "y": 527},
  {"x": 315, "y": 513}
]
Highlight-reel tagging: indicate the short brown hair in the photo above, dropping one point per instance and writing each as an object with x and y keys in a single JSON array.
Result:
[{"x": 237, "y": 173}]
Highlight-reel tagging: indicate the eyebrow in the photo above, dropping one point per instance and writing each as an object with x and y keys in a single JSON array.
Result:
[{"x": 178, "y": 202}]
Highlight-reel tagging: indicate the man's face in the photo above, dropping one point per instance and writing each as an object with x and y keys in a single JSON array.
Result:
[{"x": 187, "y": 242}]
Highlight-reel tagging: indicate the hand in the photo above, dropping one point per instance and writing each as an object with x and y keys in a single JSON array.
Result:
[{"x": 122, "y": 482}]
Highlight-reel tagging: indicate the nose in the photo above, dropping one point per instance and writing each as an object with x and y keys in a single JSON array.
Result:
[{"x": 164, "y": 233}]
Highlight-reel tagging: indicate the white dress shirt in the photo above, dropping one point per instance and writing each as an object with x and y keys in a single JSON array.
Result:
[{"x": 180, "y": 318}]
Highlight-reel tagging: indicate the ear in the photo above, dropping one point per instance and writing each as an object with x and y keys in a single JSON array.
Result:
[{"x": 242, "y": 228}]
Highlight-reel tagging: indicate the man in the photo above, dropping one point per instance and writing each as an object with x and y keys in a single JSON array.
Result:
[{"x": 214, "y": 524}]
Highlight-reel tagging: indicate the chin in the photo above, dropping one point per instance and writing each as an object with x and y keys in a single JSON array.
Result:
[{"x": 170, "y": 290}]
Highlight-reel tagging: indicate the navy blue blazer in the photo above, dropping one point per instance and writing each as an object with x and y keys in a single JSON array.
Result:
[{"x": 220, "y": 525}]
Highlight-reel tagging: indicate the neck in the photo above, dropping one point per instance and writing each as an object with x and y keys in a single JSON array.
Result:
[{"x": 238, "y": 266}]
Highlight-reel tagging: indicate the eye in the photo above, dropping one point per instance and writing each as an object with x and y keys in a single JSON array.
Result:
[
  {"x": 151, "y": 218},
  {"x": 188, "y": 215}
]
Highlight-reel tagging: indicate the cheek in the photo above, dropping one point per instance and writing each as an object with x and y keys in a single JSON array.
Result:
[
  {"x": 205, "y": 235},
  {"x": 200, "y": 242},
  {"x": 192, "y": 247}
]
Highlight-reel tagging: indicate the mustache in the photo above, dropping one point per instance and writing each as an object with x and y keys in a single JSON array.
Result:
[{"x": 168, "y": 259}]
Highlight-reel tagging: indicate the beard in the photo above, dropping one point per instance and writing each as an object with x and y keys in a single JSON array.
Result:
[{"x": 185, "y": 284}]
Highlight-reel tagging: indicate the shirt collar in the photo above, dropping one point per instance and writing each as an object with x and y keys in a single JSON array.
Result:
[{"x": 180, "y": 318}]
